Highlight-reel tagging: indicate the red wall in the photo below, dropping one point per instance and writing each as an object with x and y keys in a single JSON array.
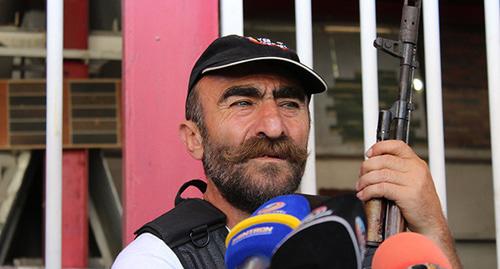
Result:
[{"x": 162, "y": 40}]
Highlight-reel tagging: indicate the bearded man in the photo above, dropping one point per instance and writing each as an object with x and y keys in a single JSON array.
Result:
[{"x": 248, "y": 120}]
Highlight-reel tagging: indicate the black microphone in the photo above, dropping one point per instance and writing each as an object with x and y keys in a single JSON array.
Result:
[{"x": 332, "y": 236}]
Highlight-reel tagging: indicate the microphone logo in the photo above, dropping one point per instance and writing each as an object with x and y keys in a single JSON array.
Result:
[
  {"x": 253, "y": 232},
  {"x": 318, "y": 212},
  {"x": 271, "y": 208},
  {"x": 360, "y": 230}
]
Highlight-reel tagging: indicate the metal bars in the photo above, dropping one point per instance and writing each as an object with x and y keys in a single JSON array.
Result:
[
  {"x": 53, "y": 174},
  {"x": 492, "y": 25},
  {"x": 434, "y": 98},
  {"x": 368, "y": 32},
  {"x": 303, "y": 35},
  {"x": 231, "y": 17}
]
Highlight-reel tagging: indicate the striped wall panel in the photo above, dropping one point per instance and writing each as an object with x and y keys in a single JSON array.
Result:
[{"x": 91, "y": 114}]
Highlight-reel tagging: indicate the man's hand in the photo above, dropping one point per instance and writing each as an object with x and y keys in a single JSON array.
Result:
[{"x": 393, "y": 171}]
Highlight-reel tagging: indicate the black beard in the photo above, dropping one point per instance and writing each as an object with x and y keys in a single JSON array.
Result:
[{"x": 230, "y": 170}]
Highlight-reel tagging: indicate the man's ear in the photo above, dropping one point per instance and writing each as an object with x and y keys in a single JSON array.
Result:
[{"x": 191, "y": 136}]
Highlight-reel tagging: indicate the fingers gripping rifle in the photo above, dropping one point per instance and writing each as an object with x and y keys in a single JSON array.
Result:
[{"x": 384, "y": 217}]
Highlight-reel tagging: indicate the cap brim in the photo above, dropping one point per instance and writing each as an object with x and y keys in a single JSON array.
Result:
[{"x": 313, "y": 82}]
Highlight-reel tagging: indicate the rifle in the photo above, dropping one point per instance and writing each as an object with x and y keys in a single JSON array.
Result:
[{"x": 384, "y": 217}]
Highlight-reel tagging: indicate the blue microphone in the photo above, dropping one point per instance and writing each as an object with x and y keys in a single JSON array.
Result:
[{"x": 251, "y": 242}]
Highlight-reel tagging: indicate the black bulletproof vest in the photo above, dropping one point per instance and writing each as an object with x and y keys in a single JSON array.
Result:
[{"x": 196, "y": 230}]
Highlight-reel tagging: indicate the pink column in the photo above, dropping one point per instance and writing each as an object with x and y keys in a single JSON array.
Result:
[{"x": 162, "y": 40}]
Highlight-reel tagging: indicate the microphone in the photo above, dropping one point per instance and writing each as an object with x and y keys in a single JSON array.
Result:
[
  {"x": 332, "y": 236},
  {"x": 409, "y": 250},
  {"x": 251, "y": 242}
]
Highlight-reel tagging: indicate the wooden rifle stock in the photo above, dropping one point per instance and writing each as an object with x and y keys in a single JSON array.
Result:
[{"x": 383, "y": 216}]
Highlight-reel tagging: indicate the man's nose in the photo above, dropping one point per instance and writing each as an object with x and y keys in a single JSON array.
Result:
[{"x": 270, "y": 121}]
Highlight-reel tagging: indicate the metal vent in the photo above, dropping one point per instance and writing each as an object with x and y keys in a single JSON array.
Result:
[
  {"x": 91, "y": 114},
  {"x": 26, "y": 113},
  {"x": 94, "y": 112}
]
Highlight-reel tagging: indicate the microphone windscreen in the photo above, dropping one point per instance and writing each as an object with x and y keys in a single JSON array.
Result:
[
  {"x": 405, "y": 250},
  {"x": 286, "y": 209},
  {"x": 257, "y": 236},
  {"x": 258, "y": 240},
  {"x": 331, "y": 236},
  {"x": 291, "y": 204}
]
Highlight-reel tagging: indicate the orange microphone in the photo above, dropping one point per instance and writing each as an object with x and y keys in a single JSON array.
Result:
[{"x": 409, "y": 250}]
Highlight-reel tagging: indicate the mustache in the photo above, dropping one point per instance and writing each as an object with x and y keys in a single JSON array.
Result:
[{"x": 281, "y": 147}]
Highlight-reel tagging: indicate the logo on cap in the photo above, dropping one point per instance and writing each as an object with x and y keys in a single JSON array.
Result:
[{"x": 268, "y": 42}]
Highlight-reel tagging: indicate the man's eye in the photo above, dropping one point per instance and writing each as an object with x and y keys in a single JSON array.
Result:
[
  {"x": 290, "y": 104},
  {"x": 242, "y": 103}
]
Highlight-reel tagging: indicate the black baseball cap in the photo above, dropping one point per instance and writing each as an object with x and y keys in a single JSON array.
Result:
[{"x": 232, "y": 50}]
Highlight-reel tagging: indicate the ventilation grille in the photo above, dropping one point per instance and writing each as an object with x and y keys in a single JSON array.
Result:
[{"x": 91, "y": 114}]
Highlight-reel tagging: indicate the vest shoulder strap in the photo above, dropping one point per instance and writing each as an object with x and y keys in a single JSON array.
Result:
[{"x": 190, "y": 220}]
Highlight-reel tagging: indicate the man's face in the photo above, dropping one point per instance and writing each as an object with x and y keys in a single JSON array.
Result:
[{"x": 255, "y": 139}]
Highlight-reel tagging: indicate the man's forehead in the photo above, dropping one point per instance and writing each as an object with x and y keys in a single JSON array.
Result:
[{"x": 263, "y": 81}]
